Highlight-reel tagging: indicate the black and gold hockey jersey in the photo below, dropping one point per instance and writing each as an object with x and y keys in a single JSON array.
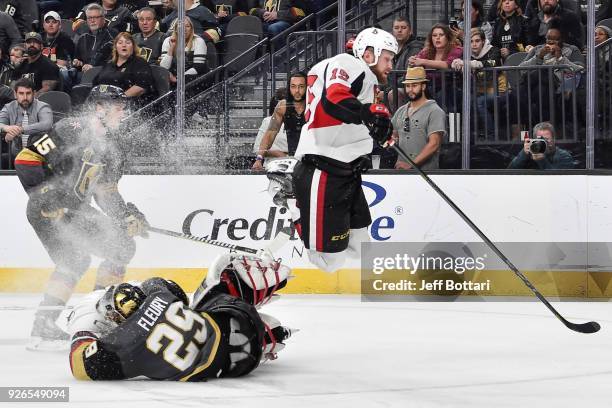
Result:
[
  {"x": 70, "y": 164},
  {"x": 163, "y": 340}
]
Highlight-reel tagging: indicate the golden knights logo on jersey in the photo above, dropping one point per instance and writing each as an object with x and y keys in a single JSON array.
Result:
[
  {"x": 88, "y": 176},
  {"x": 145, "y": 53}
]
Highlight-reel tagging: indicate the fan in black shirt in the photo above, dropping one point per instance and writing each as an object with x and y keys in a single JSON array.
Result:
[
  {"x": 57, "y": 46},
  {"x": 128, "y": 71},
  {"x": 39, "y": 69}
]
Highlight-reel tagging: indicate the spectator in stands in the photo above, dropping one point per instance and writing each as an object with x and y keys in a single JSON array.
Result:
[
  {"x": 6, "y": 76},
  {"x": 565, "y": 80},
  {"x": 149, "y": 39},
  {"x": 420, "y": 125},
  {"x": 478, "y": 21},
  {"x": 279, "y": 146},
  {"x": 441, "y": 49},
  {"x": 195, "y": 53},
  {"x": 225, "y": 10},
  {"x": 277, "y": 15},
  {"x": 602, "y": 34},
  {"x": 9, "y": 33},
  {"x": 16, "y": 58},
  {"x": 289, "y": 113},
  {"x": 509, "y": 28},
  {"x": 488, "y": 87},
  {"x": 408, "y": 44},
  {"x": 118, "y": 18},
  {"x": 24, "y": 117},
  {"x": 94, "y": 47},
  {"x": 556, "y": 52},
  {"x": 554, "y": 158},
  {"x": 57, "y": 46},
  {"x": 39, "y": 69},
  {"x": 493, "y": 11},
  {"x": 14, "y": 8},
  {"x": 203, "y": 21},
  {"x": 128, "y": 71},
  {"x": 541, "y": 12}
]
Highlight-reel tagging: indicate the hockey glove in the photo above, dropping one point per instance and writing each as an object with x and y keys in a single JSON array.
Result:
[
  {"x": 49, "y": 201},
  {"x": 377, "y": 118},
  {"x": 135, "y": 222}
]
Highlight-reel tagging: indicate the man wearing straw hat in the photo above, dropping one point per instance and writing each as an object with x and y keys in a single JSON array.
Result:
[{"x": 420, "y": 125}]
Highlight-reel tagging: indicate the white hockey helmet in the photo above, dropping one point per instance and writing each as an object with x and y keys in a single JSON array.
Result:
[{"x": 376, "y": 38}]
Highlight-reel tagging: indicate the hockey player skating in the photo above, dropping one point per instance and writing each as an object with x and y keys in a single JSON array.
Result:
[
  {"x": 330, "y": 211},
  {"x": 81, "y": 158},
  {"x": 151, "y": 329}
]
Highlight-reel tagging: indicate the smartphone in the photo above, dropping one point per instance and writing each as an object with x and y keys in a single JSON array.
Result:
[{"x": 453, "y": 24}]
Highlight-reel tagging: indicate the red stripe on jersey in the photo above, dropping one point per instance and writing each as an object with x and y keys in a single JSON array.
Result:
[
  {"x": 338, "y": 92},
  {"x": 298, "y": 227},
  {"x": 321, "y": 209},
  {"x": 28, "y": 163},
  {"x": 322, "y": 119}
]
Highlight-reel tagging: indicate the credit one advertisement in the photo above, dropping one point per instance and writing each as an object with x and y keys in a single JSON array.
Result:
[{"x": 566, "y": 216}]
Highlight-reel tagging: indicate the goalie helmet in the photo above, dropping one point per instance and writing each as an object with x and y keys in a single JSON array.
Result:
[
  {"x": 378, "y": 40},
  {"x": 120, "y": 301}
]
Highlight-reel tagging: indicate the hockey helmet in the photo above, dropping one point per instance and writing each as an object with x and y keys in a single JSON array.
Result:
[
  {"x": 107, "y": 93},
  {"x": 120, "y": 301},
  {"x": 376, "y": 38}
]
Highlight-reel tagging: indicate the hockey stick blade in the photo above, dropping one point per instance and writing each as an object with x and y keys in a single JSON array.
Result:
[
  {"x": 202, "y": 240},
  {"x": 590, "y": 327},
  {"x": 587, "y": 328}
]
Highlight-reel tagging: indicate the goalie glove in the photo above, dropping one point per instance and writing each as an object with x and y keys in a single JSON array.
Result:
[
  {"x": 377, "y": 118},
  {"x": 135, "y": 222},
  {"x": 250, "y": 278}
]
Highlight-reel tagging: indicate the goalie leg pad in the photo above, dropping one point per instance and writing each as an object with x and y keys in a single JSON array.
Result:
[{"x": 253, "y": 279}]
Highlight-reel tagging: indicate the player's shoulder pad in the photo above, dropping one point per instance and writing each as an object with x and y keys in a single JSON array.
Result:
[{"x": 347, "y": 62}]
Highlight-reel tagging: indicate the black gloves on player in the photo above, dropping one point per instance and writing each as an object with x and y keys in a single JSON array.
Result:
[
  {"x": 377, "y": 118},
  {"x": 135, "y": 222}
]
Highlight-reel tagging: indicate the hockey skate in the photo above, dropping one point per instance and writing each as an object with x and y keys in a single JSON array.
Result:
[
  {"x": 46, "y": 335},
  {"x": 280, "y": 172}
]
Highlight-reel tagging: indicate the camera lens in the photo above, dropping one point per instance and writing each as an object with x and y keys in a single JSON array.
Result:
[{"x": 538, "y": 146}]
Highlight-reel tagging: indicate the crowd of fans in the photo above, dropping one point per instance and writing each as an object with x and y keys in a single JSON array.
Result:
[
  {"x": 73, "y": 45},
  {"x": 547, "y": 33},
  {"x": 117, "y": 42}
]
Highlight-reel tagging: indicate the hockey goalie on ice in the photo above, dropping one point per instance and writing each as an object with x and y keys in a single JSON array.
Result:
[{"x": 151, "y": 329}]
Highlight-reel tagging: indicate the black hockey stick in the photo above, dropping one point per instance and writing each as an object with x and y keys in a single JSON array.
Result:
[
  {"x": 590, "y": 327},
  {"x": 190, "y": 237}
]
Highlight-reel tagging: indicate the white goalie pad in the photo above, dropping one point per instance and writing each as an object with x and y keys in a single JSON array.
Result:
[{"x": 251, "y": 278}]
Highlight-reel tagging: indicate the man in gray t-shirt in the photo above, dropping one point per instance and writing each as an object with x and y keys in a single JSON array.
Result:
[{"x": 420, "y": 125}]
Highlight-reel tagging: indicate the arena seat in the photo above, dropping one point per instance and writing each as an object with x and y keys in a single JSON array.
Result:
[{"x": 61, "y": 103}]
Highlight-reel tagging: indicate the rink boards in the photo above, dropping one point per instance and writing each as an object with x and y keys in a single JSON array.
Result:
[{"x": 236, "y": 209}]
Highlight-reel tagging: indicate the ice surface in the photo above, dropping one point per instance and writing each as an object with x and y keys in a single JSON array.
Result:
[{"x": 353, "y": 354}]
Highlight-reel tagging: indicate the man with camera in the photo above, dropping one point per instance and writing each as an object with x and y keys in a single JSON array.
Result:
[{"x": 541, "y": 152}]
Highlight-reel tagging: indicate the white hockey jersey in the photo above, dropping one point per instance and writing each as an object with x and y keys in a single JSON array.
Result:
[{"x": 336, "y": 79}]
